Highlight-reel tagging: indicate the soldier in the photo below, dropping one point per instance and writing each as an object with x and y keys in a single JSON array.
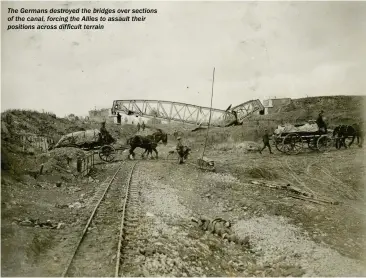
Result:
[
  {"x": 118, "y": 118},
  {"x": 180, "y": 150},
  {"x": 103, "y": 131},
  {"x": 320, "y": 122},
  {"x": 138, "y": 127},
  {"x": 143, "y": 126},
  {"x": 266, "y": 142},
  {"x": 175, "y": 134}
]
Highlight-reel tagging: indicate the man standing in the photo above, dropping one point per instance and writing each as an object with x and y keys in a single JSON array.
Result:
[
  {"x": 138, "y": 127},
  {"x": 320, "y": 122},
  {"x": 180, "y": 150},
  {"x": 118, "y": 118},
  {"x": 266, "y": 142},
  {"x": 143, "y": 126}
]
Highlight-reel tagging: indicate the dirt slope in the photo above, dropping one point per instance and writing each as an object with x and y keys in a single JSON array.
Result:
[{"x": 338, "y": 110}]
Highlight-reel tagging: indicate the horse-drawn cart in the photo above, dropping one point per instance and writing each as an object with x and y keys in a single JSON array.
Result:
[
  {"x": 92, "y": 140},
  {"x": 292, "y": 139}
]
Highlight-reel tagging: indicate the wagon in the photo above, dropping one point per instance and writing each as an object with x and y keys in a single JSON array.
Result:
[
  {"x": 294, "y": 141},
  {"x": 92, "y": 140}
]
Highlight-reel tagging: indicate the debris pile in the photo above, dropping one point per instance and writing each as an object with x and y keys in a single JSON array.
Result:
[
  {"x": 246, "y": 146},
  {"x": 39, "y": 224},
  {"x": 221, "y": 228},
  {"x": 79, "y": 138}
]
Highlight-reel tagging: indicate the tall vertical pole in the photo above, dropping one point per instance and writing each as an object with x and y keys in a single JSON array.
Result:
[{"x": 209, "y": 120}]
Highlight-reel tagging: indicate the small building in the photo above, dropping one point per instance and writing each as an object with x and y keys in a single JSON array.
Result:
[
  {"x": 101, "y": 115},
  {"x": 272, "y": 105}
]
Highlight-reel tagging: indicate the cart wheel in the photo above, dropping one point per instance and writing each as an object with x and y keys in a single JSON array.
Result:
[
  {"x": 312, "y": 144},
  {"x": 279, "y": 144},
  {"x": 349, "y": 140},
  {"x": 292, "y": 143},
  {"x": 324, "y": 143},
  {"x": 107, "y": 153}
]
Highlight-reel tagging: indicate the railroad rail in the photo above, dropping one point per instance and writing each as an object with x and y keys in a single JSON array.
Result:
[{"x": 87, "y": 251}]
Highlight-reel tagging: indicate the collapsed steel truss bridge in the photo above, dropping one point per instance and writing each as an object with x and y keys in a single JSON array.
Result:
[{"x": 186, "y": 113}]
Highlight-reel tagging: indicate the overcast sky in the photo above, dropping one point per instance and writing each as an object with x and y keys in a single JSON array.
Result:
[{"x": 261, "y": 49}]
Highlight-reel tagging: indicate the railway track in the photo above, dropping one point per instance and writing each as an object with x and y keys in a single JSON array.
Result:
[{"x": 99, "y": 250}]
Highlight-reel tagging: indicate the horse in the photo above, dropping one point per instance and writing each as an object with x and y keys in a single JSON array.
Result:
[
  {"x": 156, "y": 138},
  {"x": 342, "y": 132},
  {"x": 149, "y": 143}
]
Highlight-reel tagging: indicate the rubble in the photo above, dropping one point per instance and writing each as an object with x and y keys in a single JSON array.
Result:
[
  {"x": 29, "y": 222},
  {"x": 221, "y": 228}
]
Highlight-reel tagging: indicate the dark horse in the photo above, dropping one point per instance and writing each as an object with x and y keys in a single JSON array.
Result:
[
  {"x": 342, "y": 132},
  {"x": 149, "y": 143}
]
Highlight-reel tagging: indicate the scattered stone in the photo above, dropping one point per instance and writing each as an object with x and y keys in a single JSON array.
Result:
[
  {"x": 36, "y": 223},
  {"x": 61, "y": 206},
  {"x": 60, "y": 225},
  {"x": 76, "y": 205},
  {"x": 254, "y": 182}
]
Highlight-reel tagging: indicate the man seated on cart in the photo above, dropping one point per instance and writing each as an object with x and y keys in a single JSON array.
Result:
[
  {"x": 321, "y": 124},
  {"x": 104, "y": 135}
]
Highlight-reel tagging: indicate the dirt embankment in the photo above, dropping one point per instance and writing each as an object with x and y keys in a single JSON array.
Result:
[
  {"x": 337, "y": 110},
  {"x": 20, "y": 128}
]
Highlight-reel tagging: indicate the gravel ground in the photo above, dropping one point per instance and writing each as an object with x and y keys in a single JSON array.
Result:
[
  {"x": 169, "y": 244},
  {"x": 287, "y": 236},
  {"x": 280, "y": 240}
]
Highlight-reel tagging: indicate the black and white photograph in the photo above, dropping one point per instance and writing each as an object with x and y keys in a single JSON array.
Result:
[{"x": 183, "y": 138}]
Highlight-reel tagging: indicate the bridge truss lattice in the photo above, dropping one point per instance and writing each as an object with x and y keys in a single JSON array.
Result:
[{"x": 186, "y": 113}]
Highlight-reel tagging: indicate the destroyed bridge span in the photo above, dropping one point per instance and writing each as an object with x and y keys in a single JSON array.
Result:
[{"x": 187, "y": 113}]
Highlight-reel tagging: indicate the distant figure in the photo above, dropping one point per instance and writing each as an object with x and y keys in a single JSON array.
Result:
[
  {"x": 175, "y": 134},
  {"x": 180, "y": 149},
  {"x": 138, "y": 127},
  {"x": 320, "y": 122},
  {"x": 119, "y": 118},
  {"x": 266, "y": 142},
  {"x": 143, "y": 126},
  {"x": 103, "y": 132}
]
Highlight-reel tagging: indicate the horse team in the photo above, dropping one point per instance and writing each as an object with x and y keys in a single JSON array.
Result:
[
  {"x": 342, "y": 132},
  {"x": 149, "y": 143}
]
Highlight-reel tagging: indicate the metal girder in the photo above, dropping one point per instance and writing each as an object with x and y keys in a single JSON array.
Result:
[
  {"x": 247, "y": 108},
  {"x": 183, "y": 112}
]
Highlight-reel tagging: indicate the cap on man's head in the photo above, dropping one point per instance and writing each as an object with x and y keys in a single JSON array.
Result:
[
  {"x": 179, "y": 138},
  {"x": 321, "y": 111}
]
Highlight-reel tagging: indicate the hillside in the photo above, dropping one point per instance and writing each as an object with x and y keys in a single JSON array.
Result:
[
  {"x": 337, "y": 109},
  {"x": 16, "y": 150},
  {"x": 44, "y": 124}
]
